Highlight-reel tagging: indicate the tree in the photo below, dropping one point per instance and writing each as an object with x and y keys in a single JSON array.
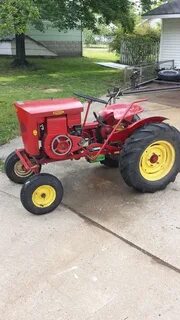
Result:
[
  {"x": 150, "y": 4},
  {"x": 17, "y": 15},
  {"x": 89, "y": 37}
]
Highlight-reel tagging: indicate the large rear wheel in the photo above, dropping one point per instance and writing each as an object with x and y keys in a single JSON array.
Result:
[{"x": 150, "y": 158}]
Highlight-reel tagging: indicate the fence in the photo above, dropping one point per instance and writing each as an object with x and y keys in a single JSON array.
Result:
[
  {"x": 135, "y": 52},
  {"x": 145, "y": 72}
]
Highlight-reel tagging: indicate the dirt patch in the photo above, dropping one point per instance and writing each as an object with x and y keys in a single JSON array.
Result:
[{"x": 52, "y": 90}]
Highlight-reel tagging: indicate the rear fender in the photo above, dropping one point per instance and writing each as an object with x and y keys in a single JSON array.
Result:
[
  {"x": 124, "y": 134},
  {"x": 142, "y": 122}
]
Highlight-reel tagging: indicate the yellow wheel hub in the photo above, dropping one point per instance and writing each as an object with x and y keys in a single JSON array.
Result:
[
  {"x": 157, "y": 160},
  {"x": 44, "y": 196}
]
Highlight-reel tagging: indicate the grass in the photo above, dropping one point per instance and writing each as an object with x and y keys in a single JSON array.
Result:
[
  {"x": 100, "y": 54},
  {"x": 1, "y": 165},
  {"x": 51, "y": 78}
]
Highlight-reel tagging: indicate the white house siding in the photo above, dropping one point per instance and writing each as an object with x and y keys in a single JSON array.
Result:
[
  {"x": 170, "y": 40},
  {"x": 34, "y": 49},
  {"x": 5, "y": 48},
  {"x": 51, "y": 42},
  {"x": 68, "y": 43}
]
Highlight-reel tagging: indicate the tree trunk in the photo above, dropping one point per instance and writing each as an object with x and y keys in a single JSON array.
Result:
[{"x": 20, "y": 60}]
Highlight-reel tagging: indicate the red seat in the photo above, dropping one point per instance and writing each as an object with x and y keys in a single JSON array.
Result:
[{"x": 118, "y": 110}]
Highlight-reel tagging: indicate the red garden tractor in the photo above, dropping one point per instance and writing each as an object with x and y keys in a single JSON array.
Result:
[{"x": 147, "y": 151}]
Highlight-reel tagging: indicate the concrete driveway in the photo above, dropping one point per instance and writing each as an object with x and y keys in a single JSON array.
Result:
[{"x": 107, "y": 252}]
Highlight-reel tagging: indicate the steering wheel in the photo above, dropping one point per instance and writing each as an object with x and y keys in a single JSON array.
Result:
[
  {"x": 89, "y": 98},
  {"x": 98, "y": 119}
]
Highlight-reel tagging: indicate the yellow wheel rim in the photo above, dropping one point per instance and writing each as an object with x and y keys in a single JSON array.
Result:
[
  {"x": 44, "y": 196},
  {"x": 157, "y": 160}
]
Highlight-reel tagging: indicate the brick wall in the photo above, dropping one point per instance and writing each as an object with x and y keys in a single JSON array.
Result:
[{"x": 64, "y": 48}]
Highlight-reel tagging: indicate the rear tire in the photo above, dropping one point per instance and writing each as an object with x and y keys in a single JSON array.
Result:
[
  {"x": 41, "y": 194},
  {"x": 110, "y": 162},
  {"x": 150, "y": 158},
  {"x": 15, "y": 170},
  {"x": 169, "y": 75}
]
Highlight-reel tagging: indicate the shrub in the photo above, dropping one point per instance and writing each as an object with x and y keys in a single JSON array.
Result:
[{"x": 141, "y": 46}]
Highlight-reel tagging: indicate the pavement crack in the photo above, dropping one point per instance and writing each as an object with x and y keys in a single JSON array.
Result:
[
  {"x": 128, "y": 242},
  {"x": 9, "y": 194},
  {"x": 155, "y": 258}
]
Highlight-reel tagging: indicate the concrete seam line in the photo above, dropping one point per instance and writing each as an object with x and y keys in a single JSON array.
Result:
[
  {"x": 99, "y": 226},
  {"x": 128, "y": 242},
  {"x": 9, "y": 194}
]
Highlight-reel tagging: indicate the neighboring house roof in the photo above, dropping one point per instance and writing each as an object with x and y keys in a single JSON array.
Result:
[{"x": 171, "y": 9}]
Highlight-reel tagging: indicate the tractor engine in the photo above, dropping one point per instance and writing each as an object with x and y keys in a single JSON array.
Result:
[
  {"x": 59, "y": 139},
  {"x": 52, "y": 125}
]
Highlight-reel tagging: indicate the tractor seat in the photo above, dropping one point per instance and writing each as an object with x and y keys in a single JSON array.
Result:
[{"x": 118, "y": 110}]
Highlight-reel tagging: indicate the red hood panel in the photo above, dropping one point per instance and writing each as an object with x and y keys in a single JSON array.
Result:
[{"x": 39, "y": 107}]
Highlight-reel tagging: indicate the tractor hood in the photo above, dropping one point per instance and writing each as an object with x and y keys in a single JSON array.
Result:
[{"x": 50, "y": 107}]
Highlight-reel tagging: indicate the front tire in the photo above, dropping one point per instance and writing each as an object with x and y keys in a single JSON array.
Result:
[
  {"x": 15, "y": 171},
  {"x": 150, "y": 158},
  {"x": 41, "y": 194}
]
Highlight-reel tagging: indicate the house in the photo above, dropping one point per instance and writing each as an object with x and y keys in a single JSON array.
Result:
[
  {"x": 169, "y": 13},
  {"x": 49, "y": 43},
  {"x": 33, "y": 48}
]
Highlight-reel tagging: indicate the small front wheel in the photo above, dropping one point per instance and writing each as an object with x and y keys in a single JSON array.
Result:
[
  {"x": 41, "y": 194},
  {"x": 15, "y": 170}
]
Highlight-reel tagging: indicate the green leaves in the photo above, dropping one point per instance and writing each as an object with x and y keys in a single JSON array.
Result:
[
  {"x": 15, "y": 15},
  {"x": 141, "y": 46},
  {"x": 150, "y": 4}
]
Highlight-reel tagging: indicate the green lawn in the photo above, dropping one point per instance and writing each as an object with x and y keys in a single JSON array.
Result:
[
  {"x": 51, "y": 78},
  {"x": 100, "y": 54}
]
